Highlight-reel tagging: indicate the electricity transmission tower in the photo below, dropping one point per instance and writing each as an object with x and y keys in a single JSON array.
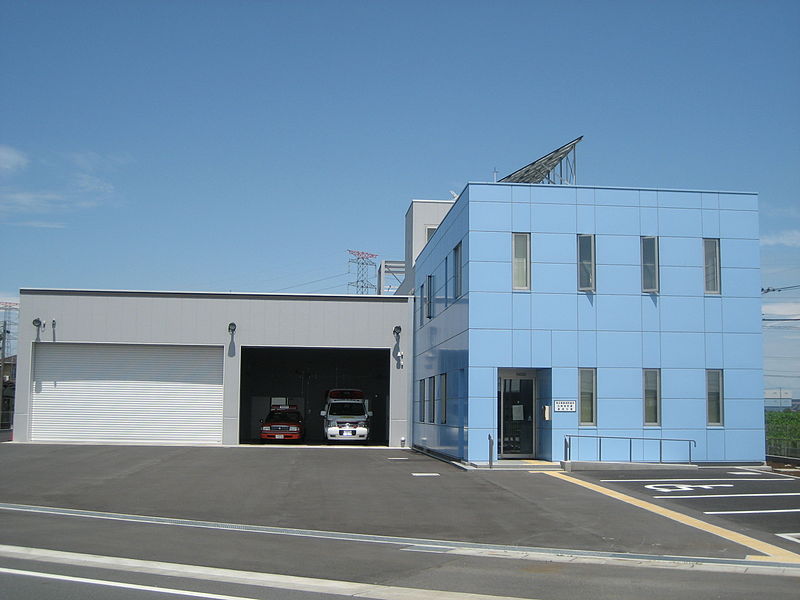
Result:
[{"x": 365, "y": 270}]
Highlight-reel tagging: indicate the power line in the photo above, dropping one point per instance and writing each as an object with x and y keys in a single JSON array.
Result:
[
  {"x": 769, "y": 290},
  {"x": 296, "y": 285}
]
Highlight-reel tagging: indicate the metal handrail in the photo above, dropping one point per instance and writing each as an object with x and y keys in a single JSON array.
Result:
[{"x": 568, "y": 445}]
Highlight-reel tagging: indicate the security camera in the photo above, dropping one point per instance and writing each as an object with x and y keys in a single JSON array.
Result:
[
  {"x": 231, "y": 328},
  {"x": 37, "y": 322},
  {"x": 397, "y": 329}
]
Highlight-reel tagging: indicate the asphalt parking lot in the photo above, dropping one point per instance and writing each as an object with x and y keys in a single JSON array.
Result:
[
  {"x": 761, "y": 503},
  {"x": 331, "y": 517}
]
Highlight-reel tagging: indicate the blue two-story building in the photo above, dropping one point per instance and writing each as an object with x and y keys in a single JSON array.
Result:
[{"x": 566, "y": 321}]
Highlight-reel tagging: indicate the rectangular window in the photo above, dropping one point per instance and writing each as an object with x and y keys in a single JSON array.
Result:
[
  {"x": 521, "y": 266},
  {"x": 422, "y": 400},
  {"x": 432, "y": 399},
  {"x": 652, "y": 396},
  {"x": 443, "y": 396},
  {"x": 714, "y": 396},
  {"x": 588, "y": 401},
  {"x": 711, "y": 252},
  {"x": 429, "y": 231},
  {"x": 457, "y": 272},
  {"x": 586, "y": 263},
  {"x": 650, "y": 265},
  {"x": 429, "y": 298}
]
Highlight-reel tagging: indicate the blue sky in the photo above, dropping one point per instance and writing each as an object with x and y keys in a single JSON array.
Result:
[{"x": 246, "y": 145}]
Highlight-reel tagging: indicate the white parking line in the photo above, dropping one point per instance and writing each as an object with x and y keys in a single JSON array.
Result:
[
  {"x": 396, "y": 458},
  {"x": 425, "y": 474},
  {"x": 734, "y": 495},
  {"x": 751, "y": 512},
  {"x": 792, "y": 537}
]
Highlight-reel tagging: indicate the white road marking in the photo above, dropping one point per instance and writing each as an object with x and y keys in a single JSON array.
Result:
[
  {"x": 425, "y": 474},
  {"x": 743, "y": 473},
  {"x": 751, "y": 512},
  {"x": 733, "y": 495},
  {"x": 684, "y": 487},
  {"x": 270, "y": 580},
  {"x": 396, "y": 458},
  {"x": 780, "y": 478},
  {"x": 792, "y": 537},
  {"x": 128, "y": 586}
]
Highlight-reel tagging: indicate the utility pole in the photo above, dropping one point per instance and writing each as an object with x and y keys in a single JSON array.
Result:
[{"x": 3, "y": 335}]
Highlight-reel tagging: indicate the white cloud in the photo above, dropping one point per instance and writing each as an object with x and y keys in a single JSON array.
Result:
[
  {"x": 782, "y": 309},
  {"x": 92, "y": 185},
  {"x": 790, "y": 237},
  {"x": 40, "y": 224},
  {"x": 35, "y": 202},
  {"x": 92, "y": 162},
  {"x": 11, "y": 160}
]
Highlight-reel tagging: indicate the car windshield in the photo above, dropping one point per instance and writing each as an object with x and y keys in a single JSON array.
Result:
[
  {"x": 346, "y": 408},
  {"x": 284, "y": 416}
]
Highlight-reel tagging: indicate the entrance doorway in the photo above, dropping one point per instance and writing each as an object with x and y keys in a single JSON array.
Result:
[{"x": 517, "y": 414}]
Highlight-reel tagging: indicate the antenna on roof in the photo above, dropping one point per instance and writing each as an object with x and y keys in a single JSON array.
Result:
[{"x": 558, "y": 168}]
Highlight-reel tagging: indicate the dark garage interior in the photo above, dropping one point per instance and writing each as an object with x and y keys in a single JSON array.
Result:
[{"x": 302, "y": 376}]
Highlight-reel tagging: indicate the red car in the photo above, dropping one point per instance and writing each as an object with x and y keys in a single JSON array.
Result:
[{"x": 282, "y": 423}]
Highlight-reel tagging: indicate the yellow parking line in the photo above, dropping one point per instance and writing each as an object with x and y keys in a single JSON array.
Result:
[{"x": 772, "y": 552}]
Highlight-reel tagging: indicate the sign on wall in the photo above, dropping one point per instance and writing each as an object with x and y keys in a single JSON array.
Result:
[{"x": 564, "y": 406}]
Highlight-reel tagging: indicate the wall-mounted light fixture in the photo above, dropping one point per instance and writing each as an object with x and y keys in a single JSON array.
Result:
[
  {"x": 37, "y": 322},
  {"x": 231, "y": 328}
]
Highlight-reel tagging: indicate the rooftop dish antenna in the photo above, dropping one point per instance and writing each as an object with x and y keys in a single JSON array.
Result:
[{"x": 557, "y": 168}]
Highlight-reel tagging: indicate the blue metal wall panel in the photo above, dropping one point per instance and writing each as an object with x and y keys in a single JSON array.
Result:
[{"x": 553, "y": 218}]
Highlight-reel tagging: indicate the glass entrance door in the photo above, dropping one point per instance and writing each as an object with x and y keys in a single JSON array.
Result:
[{"x": 517, "y": 416}]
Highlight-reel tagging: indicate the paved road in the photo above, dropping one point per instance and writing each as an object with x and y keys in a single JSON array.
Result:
[{"x": 338, "y": 517}]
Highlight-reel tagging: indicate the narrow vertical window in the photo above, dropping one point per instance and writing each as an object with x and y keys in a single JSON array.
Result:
[
  {"x": 652, "y": 396},
  {"x": 443, "y": 396},
  {"x": 586, "y": 263},
  {"x": 521, "y": 266},
  {"x": 457, "y": 272},
  {"x": 712, "y": 270},
  {"x": 423, "y": 307},
  {"x": 422, "y": 400},
  {"x": 432, "y": 399},
  {"x": 588, "y": 396},
  {"x": 446, "y": 281},
  {"x": 429, "y": 231},
  {"x": 714, "y": 396},
  {"x": 650, "y": 265},
  {"x": 429, "y": 298}
]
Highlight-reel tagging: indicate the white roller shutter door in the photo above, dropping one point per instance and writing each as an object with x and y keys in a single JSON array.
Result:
[{"x": 122, "y": 393}]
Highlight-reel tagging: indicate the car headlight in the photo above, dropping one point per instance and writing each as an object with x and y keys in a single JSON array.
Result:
[{"x": 294, "y": 428}]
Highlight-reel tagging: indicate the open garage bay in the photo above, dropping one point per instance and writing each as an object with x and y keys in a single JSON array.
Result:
[{"x": 302, "y": 376}]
